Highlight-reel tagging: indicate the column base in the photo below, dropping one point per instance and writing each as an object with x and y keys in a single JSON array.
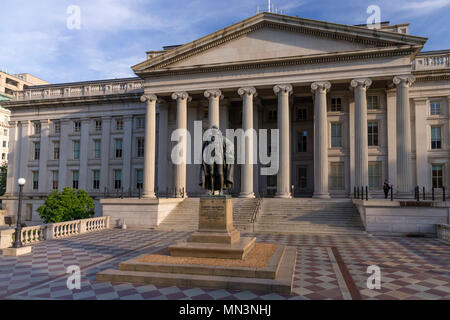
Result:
[
  {"x": 321, "y": 195},
  {"x": 283, "y": 195},
  {"x": 150, "y": 195},
  {"x": 247, "y": 195}
]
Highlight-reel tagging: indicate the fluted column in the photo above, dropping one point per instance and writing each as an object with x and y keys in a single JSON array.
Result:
[
  {"x": 247, "y": 94},
  {"x": 404, "y": 168},
  {"x": 283, "y": 179},
  {"x": 360, "y": 87},
  {"x": 180, "y": 169},
  {"x": 213, "y": 111},
  {"x": 320, "y": 139},
  {"x": 150, "y": 146}
]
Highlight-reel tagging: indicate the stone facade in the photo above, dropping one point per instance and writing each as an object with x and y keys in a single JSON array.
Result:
[{"x": 353, "y": 106}]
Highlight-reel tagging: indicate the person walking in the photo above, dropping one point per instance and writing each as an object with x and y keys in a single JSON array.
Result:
[{"x": 386, "y": 188}]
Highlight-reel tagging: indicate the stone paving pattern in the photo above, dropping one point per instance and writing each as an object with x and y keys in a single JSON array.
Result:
[{"x": 328, "y": 267}]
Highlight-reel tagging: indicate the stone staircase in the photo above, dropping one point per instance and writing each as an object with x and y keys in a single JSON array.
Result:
[
  {"x": 185, "y": 216},
  {"x": 309, "y": 216}
]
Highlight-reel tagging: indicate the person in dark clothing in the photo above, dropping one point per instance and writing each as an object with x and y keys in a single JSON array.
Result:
[{"x": 386, "y": 188}]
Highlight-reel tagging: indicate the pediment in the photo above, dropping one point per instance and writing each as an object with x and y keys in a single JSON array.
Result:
[{"x": 268, "y": 36}]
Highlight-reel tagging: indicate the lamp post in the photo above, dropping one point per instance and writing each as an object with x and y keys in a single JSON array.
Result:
[{"x": 18, "y": 235}]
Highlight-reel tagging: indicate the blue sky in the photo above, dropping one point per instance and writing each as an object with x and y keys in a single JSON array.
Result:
[{"x": 115, "y": 34}]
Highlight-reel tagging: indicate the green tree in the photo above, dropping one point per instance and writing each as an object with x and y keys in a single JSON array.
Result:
[
  {"x": 3, "y": 175},
  {"x": 70, "y": 204}
]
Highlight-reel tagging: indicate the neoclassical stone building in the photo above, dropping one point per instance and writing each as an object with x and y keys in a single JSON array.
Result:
[{"x": 353, "y": 106}]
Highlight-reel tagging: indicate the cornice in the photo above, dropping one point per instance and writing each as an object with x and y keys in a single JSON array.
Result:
[{"x": 432, "y": 75}]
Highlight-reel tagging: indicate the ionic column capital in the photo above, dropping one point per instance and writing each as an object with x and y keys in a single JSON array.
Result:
[
  {"x": 321, "y": 86},
  {"x": 405, "y": 80},
  {"x": 250, "y": 91},
  {"x": 181, "y": 96},
  {"x": 152, "y": 98},
  {"x": 213, "y": 94},
  {"x": 283, "y": 88},
  {"x": 364, "y": 83}
]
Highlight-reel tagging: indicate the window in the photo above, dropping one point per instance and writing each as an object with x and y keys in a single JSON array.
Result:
[
  {"x": 435, "y": 108},
  {"x": 140, "y": 123},
  {"x": 375, "y": 175},
  {"x": 336, "y": 104},
  {"x": 56, "y": 150},
  {"x": 117, "y": 179},
  {"x": 301, "y": 114},
  {"x": 37, "y": 150},
  {"x": 437, "y": 176},
  {"x": 337, "y": 175},
  {"x": 4, "y": 144},
  {"x": 37, "y": 127},
  {"x": 139, "y": 147},
  {"x": 3, "y": 156},
  {"x": 98, "y": 125},
  {"x": 302, "y": 177},
  {"x": 96, "y": 179},
  {"x": 372, "y": 131},
  {"x": 76, "y": 150},
  {"x": 77, "y": 126},
  {"x": 5, "y": 132},
  {"x": 436, "y": 142},
  {"x": 139, "y": 179},
  {"x": 373, "y": 102},
  {"x": 75, "y": 177},
  {"x": 336, "y": 135},
  {"x": 118, "y": 151},
  {"x": 119, "y": 124},
  {"x": 55, "y": 179},
  {"x": 302, "y": 141},
  {"x": 97, "y": 149},
  {"x": 56, "y": 127},
  {"x": 273, "y": 115},
  {"x": 35, "y": 180}
]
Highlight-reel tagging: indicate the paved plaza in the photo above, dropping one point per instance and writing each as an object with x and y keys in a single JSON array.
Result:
[{"x": 328, "y": 267}]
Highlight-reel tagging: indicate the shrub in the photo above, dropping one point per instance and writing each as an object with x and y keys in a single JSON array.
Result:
[{"x": 70, "y": 204}]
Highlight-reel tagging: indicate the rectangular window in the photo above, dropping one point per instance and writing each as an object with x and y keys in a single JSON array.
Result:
[
  {"x": 3, "y": 156},
  {"x": 139, "y": 147},
  {"x": 436, "y": 141},
  {"x": 97, "y": 149},
  {"x": 118, "y": 148},
  {"x": 35, "y": 180},
  {"x": 98, "y": 125},
  {"x": 56, "y": 127},
  {"x": 56, "y": 150},
  {"x": 337, "y": 175},
  {"x": 302, "y": 177},
  {"x": 117, "y": 179},
  {"x": 77, "y": 126},
  {"x": 37, "y": 127},
  {"x": 437, "y": 176},
  {"x": 5, "y": 132},
  {"x": 4, "y": 144},
  {"x": 96, "y": 179},
  {"x": 373, "y": 103},
  {"x": 139, "y": 179},
  {"x": 140, "y": 123},
  {"x": 55, "y": 179},
  {"x": 372, "y": 131},
  {"x": 336, "y": 135},
  {"x": 336, "y": 104},
  {"x": 301, "y": 114},
  {"x": 302, "y": 141},
  {"x": 37, "y": 150},
  {"x": 76, "y": 150},
  {"x": 375, "y": 175},
  {"x": 119, "y": 124},
  {"x": 75, "y": 177},
  {"x": 435, "y": 108}
]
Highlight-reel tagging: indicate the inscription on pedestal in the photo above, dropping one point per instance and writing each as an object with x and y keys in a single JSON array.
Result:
[{"x": 216, "y": 213}]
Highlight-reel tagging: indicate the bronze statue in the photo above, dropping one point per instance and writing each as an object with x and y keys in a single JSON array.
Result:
[{"x": 216, "y": 172}]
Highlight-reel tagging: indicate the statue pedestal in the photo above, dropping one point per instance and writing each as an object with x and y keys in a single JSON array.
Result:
[{"x": 216, "y": 236}]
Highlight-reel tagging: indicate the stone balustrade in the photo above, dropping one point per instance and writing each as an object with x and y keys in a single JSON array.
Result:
[
  {"x": 54, "y": 231},
  {"x": 79, "y": 90},
  {"x": 432, "y": 61},
  {"x": 443, "y": 232}
]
